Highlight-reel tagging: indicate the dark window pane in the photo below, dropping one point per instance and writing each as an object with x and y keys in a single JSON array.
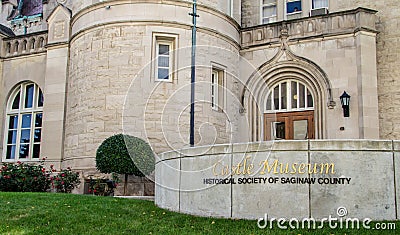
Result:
[
  {"x": 302, "y": 96},
  {"x": 29, "y": 96},
  {"x": 163, "y": 73},
  {"x": 213, "y": 78},
  {"x": 293, "y": 6},
  {"x": 163, "y": 49},
  {"x": 10, "y": 152},
  {"x": 24, "y": 151},
  {"x": 276, "y": 98},
  {"x": 310, "y": 102},
  {"x": 38, "y": 120},
  {"x": 12, "y": 137},
  {"x": 36, "y": 151},
  {"x": 280, "y": 130},
  {"x": 25, "y": 136},
  {"x": 13, "y": 124},
  {"x": 15, "y": 104},
  {"x": 40, "y": 99},
  {"x": 283, "y": 95},
  {"x": 38, "y": 135},
  {"x": 26, "y": 120}
]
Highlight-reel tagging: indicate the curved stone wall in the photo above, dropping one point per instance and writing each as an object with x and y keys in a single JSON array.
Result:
[
  {"x": 153, "y": 12},
  {"x": 221, "y": 6},
  {"x": 284, "y": 179},
  {"x": 111, "y": 87}
]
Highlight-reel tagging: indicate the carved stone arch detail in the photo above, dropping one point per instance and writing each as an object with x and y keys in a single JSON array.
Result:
[
  {"x": 285, "y": 65},
  {"x": 268, "y": 72}
]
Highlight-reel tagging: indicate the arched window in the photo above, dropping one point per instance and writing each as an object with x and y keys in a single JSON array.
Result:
[
  {"x": 32, "y": 44},
  {"x": 16, "y": 46},
  {"x": 24, "y": 123},
  {"x": 289, "y": 112},
  {"x": 24, "y": 45},
  {"x": 41, "y": 42},
  {"x": 289, "y": 95},
  {"x": 8, "y": 47}
]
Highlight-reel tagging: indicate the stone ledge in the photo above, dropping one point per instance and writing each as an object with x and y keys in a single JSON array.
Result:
[{"x": 333, "y": 24}]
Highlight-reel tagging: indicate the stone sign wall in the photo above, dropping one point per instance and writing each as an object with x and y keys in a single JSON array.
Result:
[{"x": 284, "y": 179}]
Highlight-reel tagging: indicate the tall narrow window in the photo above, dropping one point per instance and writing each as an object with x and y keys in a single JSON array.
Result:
[
  {"x": 320, "y": 4},
  {"x": 24, "y": 123},
  {"x": 293, "y": 9},
  {"x": 268, "y": 11},
  {"x": 164, "y": 61},
  {"x": 217, "y": 89},
  {"x": 214, "y": 90}
]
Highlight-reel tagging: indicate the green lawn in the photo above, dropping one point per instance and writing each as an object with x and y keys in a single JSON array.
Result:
[{"x": 47, "y": 213}]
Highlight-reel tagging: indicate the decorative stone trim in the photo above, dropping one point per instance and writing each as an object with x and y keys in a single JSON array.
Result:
[
  {"x": 338, "y": 23},
  {"x": 24, "y": 45}
]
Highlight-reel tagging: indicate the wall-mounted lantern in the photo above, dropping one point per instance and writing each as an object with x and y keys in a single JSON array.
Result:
[{"x": 345, "y": 100}]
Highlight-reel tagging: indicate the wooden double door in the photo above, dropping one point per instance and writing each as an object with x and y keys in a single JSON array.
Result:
[{"x": 289, "y": 126}]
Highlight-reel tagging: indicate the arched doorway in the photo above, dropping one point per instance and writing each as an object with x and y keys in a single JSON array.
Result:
[
  {"x": 289, "y": 112},
  {"x": 287, "y": 97}
]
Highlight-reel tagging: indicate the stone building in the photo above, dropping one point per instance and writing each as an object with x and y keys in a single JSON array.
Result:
[{"x": 76, "y": 72}]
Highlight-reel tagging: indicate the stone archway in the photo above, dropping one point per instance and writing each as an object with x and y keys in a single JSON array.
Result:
[{"x": 283, "y": 66}]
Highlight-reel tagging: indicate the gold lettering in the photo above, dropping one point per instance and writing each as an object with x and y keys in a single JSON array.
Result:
[
  {"x": 301, "y": 168},
  {"x": 214, "y": 168},
  {"x": 225, "y": 171},
  {"x": 327, "y": 166},
  {"x": 233, "y": 170},
  {"x": 286, "y": 168},
  {"x": 237, "y": 171},
  {"x": 268, "y": 168},
  {"x": 246, "y": 167},
  {"x": 294, "y": 168},
  {"x": 312, "y": 170},
  {"x": 249, "y": 170}
]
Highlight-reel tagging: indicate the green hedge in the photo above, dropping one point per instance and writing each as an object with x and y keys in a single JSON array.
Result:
[{"x": 125, "y": 154}]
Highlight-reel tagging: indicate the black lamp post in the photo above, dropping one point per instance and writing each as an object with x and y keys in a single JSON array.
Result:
[
  {"x": 345, "y": 100},
  {"x": 193, "y": 72}
]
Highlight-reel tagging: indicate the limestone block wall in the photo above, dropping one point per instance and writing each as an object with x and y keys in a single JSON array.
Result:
[
  {"x": 347, "y": 59},
  {"x": 221, "y": 6},
  {"x": 33, "y": 68},
  {"x": 388, "y": 62},
  {"x": 387, "y": 54},
  {"x": 111, "y": 86},
  {"x": 105, "y": 97},
  {"x": 250, "y": 180}
]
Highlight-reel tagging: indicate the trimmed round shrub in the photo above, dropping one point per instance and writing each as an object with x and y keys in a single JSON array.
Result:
[{"x": 125, "y": 154}]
